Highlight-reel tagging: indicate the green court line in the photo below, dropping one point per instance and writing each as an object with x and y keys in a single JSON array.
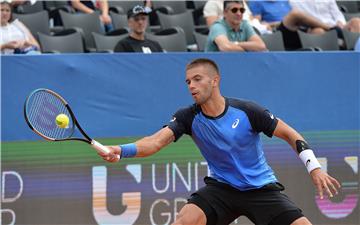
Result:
[{"x": 44, "y": 154}]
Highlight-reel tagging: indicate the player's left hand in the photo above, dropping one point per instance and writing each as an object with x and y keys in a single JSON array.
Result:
[{"x": 325, "y": 183}]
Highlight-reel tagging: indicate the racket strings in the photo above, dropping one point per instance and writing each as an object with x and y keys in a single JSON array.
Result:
[{"x": 42, "y": 109}]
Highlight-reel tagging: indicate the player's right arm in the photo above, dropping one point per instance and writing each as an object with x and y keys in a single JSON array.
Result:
[
  {"x": 179, "y": 124},
  {"x": 142, "y": 148}
]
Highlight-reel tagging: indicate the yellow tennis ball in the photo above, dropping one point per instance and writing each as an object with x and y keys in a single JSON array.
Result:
[{"x": 62, "y": 121}]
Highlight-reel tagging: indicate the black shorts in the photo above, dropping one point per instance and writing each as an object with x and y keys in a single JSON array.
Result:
[
  {"x": 291, "y": 38},
  {"x": 222, "y": 204}
]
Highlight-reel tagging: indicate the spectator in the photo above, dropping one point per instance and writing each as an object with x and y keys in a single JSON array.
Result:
[
  {"x": 327, "y": 12},
  {"x": 89, "y": 7},
  {"x": 232, "y": 33},
  {"x": 136, "y": 41},
  {"x": 213, "y": 10},
  {"x": 279, "y": 15},
  {"x": 15, "y": 36}
]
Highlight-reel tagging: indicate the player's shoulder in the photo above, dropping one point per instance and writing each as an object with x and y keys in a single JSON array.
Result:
[
  {"x": 186, "y": 115},
  {"x": 243, "y": 104},
  {"x": 190, "y": 110}
]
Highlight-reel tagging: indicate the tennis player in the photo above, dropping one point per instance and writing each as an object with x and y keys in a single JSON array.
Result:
[{"x": 226, "y": 130}]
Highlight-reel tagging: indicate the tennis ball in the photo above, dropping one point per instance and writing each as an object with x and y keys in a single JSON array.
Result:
[{"x": 62, "y": 121}]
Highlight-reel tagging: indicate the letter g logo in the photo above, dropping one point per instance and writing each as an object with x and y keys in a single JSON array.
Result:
[{"x": 132, "y": 200}]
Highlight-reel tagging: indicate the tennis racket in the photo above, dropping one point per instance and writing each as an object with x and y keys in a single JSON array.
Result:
[{"x": 42, "y": 107}]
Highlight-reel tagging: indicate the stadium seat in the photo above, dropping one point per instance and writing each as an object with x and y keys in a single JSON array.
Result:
[
  {"x": 183, "y": 20},
  {"x": 348, "y": 6},
  {"x": 35, "y": 22},
  {"x": 117, "y": 32},
  {"x": 171, "y": 40},
  {"x": 85, "y": 23},
  {"x": 170, "y": 7},
  {"x": 119, "y": 20},
  {"x": 105, "y": 43},
  {"x": 122, "y": 7},
  {"x": 350, "y": 39},
  {"x": 274, "y": 41},
  {"x": 53, "y": 7},
  {"x": 199, "y": 4},
  {"x": 30, "y": 8},
  {"x": 349, "y": 16},
  {"x": 71, "y": 43},
  {"x": 326, "y": 42},
  {"x": 198, "y": 13},
  {"x": 200, "y": 40}
]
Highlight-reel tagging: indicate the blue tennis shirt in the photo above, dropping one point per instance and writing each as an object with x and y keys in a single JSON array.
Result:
[{"x": 230, "y": 142}]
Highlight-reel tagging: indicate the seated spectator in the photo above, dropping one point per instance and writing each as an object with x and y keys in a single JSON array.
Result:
[
  {"x": 232, "y": 33},
  {"x": 213, "y": 10},
  {"x": 15, "y": 36},
  {"x": 327, "y": 12},
  {"x": 279, "y": 15},
  {"x": 90, "y": 7},
  {"x": 136, "y": 41}
]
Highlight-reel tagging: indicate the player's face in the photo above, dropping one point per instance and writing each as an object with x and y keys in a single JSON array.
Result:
[
  {"x": 200, "y": 84},
  {"x": 138, "y": 24}
]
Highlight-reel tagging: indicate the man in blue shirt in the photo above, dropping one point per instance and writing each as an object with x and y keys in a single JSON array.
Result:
[
  {"x": 232, "y": 33},
  {"x": 227, "y": 132},
  {"x": 279, "y": 15}
]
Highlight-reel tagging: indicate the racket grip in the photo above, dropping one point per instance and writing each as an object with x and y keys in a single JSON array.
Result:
[{"x": 101, "y": 147}]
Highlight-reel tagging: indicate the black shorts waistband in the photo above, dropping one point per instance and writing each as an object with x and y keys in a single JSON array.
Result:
[{"x": 275, "y": 186}]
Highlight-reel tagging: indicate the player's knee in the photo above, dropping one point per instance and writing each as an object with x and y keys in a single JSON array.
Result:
[
  {"x": 190, "y": 214},
  {"x": 301, "y": 221},
  {"x": 189, "y": 219}
]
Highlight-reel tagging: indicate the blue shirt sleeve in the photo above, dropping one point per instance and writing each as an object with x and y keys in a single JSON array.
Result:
[{"x": 255, "y": 8}]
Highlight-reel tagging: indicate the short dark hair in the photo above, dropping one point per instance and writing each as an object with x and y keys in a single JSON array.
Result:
[
  {"x": 203, "y": 61},
  {"x": 226, "y": 3}
]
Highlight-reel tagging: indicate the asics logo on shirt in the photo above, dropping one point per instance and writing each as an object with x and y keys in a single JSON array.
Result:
[
  {"x": 173, "y": 119},
  {"x": 236, "y": 123},
  {"x": 271, "y": 116}
]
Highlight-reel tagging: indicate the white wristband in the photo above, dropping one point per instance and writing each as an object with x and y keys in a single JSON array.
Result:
[{"x": 308, "y": 158}]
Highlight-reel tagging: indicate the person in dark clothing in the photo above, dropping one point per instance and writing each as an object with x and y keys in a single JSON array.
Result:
[{"x": 136, "y": 41}]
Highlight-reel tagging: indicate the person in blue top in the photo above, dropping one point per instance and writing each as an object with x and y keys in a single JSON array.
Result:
[
  {"x": 232, "y": 33},
  {"x": 279, "y": 15},
  {"x": 227, "y": 132}
]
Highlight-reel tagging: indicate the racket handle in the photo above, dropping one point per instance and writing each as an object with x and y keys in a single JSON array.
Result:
[{"x": 101, "y": 147}]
